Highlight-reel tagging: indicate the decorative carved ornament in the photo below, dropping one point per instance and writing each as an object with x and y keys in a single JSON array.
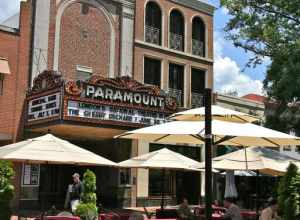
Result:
[
  {"x": 45, "y": 81},
  {"x": 123, "y": 83}
]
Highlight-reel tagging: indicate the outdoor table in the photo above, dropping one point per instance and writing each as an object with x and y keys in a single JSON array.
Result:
[
  {"x": 62, "y": 218},
  {"x": 247, "y": 214},
  {"x": 109, "y": 216}
]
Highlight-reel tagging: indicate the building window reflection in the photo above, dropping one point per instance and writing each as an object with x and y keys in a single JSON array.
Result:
[
  {"x": 198, "y": 37},
  {"x": 176, "y": 35},
  {"x": 152, "y": 71},
  {"x": 176, "y": 83},
  {"x": 153, "y": 25}
]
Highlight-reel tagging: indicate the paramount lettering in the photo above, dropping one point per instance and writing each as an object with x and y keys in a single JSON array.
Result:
[{"x": 102, "y": 92}]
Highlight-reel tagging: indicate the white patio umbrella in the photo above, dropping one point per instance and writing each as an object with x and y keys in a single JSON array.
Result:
[
  {"x": 264, "y": 160},
  {"x": 163, "y": 159},
  {"x": 224, "y": 133},
  {"x": 49, "y": 149},
  {"x": 217, "y": 112}
]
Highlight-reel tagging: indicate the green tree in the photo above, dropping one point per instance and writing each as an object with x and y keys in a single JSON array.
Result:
[
  {"x": 288, "y": 191},
  {"x": 271, "y": 28},
  {"x": 6, "y": 189},
  {"x": 264, "y": 27},
  {"x": 87, "y": 208}
]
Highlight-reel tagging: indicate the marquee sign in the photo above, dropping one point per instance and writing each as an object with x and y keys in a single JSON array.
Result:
[
  {"x": 119, "y": 101},
  {"x": 44, "y": 107}
]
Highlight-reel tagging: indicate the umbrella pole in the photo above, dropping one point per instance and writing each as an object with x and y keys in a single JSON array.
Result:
[
  {"x": 208, "y": 155},
  {"x": 163, "y": 189},
  {"x": 246, "y": 159}
]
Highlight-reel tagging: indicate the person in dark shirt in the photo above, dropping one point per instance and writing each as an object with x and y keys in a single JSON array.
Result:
[
  {"x": 184, "y": 211},
  {"x": 233, "y": 212},
  {"x": 74, "y": 192}
]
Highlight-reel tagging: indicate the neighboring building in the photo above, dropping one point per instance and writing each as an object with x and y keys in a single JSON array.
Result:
[
  {"x": 243, "y": 104},
  {"x": 97, "y": 68},
  {"x": 14, "y": 60}
]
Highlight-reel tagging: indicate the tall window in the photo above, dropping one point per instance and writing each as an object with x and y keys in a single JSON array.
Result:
[
  {"x": 176, "y": 82},
  {"x": 152, "y": 71},
  {"x": 83, "y": 73},
  {"x": 197, "y": 87},
  {"x": 176, "y": 37},
  {"x": 198, "y": 37},
  {"x": 153, "y": 23}
]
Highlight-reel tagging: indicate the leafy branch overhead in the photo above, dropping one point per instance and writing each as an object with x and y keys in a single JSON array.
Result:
[{"x": 264, "y": 27}]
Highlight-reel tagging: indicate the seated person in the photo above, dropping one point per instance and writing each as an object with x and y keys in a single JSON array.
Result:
[
  {"x": 270, "y": 212},
  {"x": 233, "y": 212},
  {"x": 184, "y": 211}
]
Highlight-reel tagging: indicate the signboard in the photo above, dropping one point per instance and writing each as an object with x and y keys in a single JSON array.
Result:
[
  {"x": 123, "y": 96},
  {"x": 44, "y": 107},
  {"x": 114, "y": 113},
  {"x": 31, "y": 175}
]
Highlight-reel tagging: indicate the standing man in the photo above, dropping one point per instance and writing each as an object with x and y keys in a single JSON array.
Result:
[
  {"x": 233, "y": 211},
  {"x": 74, "y": 192}
]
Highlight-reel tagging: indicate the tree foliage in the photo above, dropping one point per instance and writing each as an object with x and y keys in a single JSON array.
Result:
[
  {"x": 264, "y": 27},
  {"x": 289, "y": 194},
  {"x": 6, "y": 189},
  {"x": 271, "y": 28},
  {"x": 87, "y": 208}
]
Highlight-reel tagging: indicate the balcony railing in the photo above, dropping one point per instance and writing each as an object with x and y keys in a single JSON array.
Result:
[
  {"x": 177, "y": 94},
  {"x": 197, "y": 48},
  {"x": 152, "y": 35},
  {"x": 176, "y": 41},
  {"x": 197, "y": 100}
]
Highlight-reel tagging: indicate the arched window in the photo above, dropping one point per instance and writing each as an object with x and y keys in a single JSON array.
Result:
[
  {"x": 153, "y": 23},
  {"x": 198, "y": 37},
  {"x": 176, "y": 35}
]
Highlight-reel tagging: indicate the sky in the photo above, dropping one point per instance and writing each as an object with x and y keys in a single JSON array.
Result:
[{"x": 230, "y": 73}]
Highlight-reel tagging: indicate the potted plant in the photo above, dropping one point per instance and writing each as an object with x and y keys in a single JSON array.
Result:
[
  {"x": 289, "y": 194},
  {"x": 87, "y": 208},
  {"x": 6, "y": 189}
]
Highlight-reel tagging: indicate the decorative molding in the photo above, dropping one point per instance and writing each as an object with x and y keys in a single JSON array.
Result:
[{"x": 47, "y": 80}]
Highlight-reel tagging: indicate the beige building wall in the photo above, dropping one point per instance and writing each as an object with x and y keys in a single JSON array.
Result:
[{"x": 166, "y": 55}]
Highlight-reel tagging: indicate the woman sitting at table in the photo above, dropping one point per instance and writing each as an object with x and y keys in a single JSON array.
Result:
[
  {"x": 270, "y": 213},
  {"x": 184, "y": 211},
  {"x": 233, "y": 212}
]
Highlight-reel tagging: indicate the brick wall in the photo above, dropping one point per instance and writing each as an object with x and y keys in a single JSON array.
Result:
[
  {"x": 15, "y": 47},
  {"x": 84, "y": 40}
]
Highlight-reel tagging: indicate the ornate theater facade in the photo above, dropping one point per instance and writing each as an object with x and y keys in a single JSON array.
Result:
[{"x": 92, "y": 69}]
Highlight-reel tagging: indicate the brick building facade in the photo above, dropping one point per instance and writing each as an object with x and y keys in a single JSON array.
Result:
[{"x": 166, "y": 45}]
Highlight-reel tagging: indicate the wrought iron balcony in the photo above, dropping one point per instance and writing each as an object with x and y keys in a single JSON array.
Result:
[
  {"x": 152, "y": 35},
  {"x": 177, "y": 94},
  {"x": 197, "y": 100},
  {"x": 197, "y": 48},
  {"x": 176, "y": 41}
]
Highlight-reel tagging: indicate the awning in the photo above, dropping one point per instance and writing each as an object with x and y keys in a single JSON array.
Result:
[
  {"x": 4, "y": 67},
  {"x": 5, "y": 137}
]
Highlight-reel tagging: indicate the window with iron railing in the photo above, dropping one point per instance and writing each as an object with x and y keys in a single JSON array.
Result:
[
  {"x": 198, "y": 37},
  {"x": 176, "y": 83},
  {"x": 152, "y": 35},
  {"x": 176, "y": 34},
  {"x": 197, "y": 87},
  {"x": 176, "y": 94},
  {"x": 153, "y": 23},
  {"x": 197, "y": 100},
  {"x": 176, "y": 42},
  {"x": 197, "y": 48}
]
